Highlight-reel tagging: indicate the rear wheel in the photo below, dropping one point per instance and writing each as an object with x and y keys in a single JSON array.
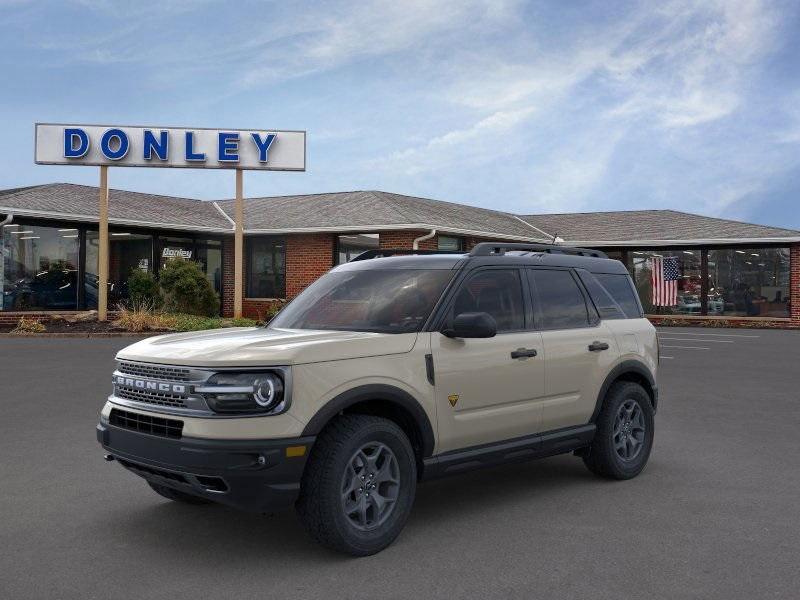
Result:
[
  {"x": 624, "y": 437},
  {"x": 177, "y": 495},
  {"x": 359, "y": 485}
]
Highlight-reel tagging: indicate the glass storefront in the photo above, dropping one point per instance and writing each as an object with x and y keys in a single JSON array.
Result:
[
  {"x": 350, "y": 246},
  {"x": 128, "y": 251},
  {"x": 686, "y": 299},
  {"x": 39, "y": 267},
  {"x": 749, "y": 282},
  {"x": 266, "y": 267}
]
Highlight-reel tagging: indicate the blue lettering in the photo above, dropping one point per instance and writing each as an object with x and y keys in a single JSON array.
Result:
[
  {"x": 70, "y": 137},
  {"x": 122, "y": 144},
  {"x": 159, "y": 146},
  {"x": 228, "y": 142},
  {"x": 263, "y": 145},
  {"x": 190, "y": 153}
]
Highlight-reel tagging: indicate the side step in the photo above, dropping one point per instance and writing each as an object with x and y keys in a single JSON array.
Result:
[{"x": 529, "y": 447}]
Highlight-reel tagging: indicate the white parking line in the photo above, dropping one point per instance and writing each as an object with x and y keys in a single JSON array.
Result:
[
  {"x": 736, "y": 335},
  {"x": 688, "y": 347},
  {"x": 672, "y": 339},
  {"x": 669, "y": 357}
]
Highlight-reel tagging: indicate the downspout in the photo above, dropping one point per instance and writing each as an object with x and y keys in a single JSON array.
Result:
[
  {"x": 427, "y": 236},
  {"x": 7, "y": 220}
]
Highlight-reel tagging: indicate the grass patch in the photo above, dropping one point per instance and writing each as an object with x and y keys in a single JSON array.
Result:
[{"x": 139, "y": 319}]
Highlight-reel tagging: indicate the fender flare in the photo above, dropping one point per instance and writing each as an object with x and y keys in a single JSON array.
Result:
[
  {"x": 628, "y": 366},
  {"x": 386, "y": 393}
]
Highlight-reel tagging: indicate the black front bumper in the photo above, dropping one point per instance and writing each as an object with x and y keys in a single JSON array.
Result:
[{"x": 252, "y": 475}]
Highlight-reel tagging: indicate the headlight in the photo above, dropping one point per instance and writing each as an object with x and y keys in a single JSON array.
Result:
[{"x": 240, "y": 393}]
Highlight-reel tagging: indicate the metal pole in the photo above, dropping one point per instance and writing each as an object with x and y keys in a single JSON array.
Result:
[
  {"x": 238, "y": 256},
  {"x": 102, "y": 266}
]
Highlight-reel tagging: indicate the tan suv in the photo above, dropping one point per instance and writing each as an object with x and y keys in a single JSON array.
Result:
[{"x": 391, "y": 369}]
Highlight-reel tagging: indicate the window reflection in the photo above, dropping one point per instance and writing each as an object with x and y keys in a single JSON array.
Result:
[
  {"x": 351, "y": 245},
  {"x": 748, "y": 282}
]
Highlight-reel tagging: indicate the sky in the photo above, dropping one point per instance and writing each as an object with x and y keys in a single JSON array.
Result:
[{"x": 527, "y": 107}]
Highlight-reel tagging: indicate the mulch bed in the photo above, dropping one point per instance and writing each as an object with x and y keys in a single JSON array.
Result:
[{"x": 87, "y": 327}]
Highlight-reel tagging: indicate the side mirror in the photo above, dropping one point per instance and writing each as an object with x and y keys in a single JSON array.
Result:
[{"x": 472, "y": 325}]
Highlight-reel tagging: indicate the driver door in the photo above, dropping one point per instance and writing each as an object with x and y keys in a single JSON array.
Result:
[{"x": 483, "y": 394}]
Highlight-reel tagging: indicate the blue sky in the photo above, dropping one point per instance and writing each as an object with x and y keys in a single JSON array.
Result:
[{"x": 530, "y": 107}]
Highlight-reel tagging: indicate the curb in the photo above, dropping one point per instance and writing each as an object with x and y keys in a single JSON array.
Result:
[{"x": 81, "y": 335}]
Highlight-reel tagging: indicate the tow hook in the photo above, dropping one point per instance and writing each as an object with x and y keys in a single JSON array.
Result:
[{"x": 108, "y": 457}]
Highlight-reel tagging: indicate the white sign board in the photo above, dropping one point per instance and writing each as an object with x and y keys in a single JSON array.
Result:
[{"x": 189, "y": 148}]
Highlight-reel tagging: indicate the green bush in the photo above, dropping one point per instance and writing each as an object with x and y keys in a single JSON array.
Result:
[
  {"x": 186, "y": 289},
  {"x": 143, "y": 289}
]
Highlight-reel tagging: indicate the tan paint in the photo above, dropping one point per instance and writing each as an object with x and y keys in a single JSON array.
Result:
[
  {"x": 238, "y": 247},
  {"x": 498, "y": 397},
  {"x": 102, "y": 253}
]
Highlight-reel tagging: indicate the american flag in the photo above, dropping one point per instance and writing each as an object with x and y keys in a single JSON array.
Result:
[{"x": 665, "y": 280}]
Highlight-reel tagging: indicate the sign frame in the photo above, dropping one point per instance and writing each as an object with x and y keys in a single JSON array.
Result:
[{"x": 193, "y": 165}]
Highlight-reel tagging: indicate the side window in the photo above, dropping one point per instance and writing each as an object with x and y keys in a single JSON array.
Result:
[
  {"x": 606, "y": 305},
  {"x": 494, "y": 291},
  {"x": 560, "y": 300},
  {"x": 621, "y": 289}
]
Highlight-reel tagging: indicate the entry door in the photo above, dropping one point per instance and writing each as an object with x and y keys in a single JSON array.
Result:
[
  {"x": 579, "y": 349},
  {"x": 483, "y": 394}
]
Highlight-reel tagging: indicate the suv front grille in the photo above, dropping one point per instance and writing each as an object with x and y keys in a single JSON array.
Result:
[
  {"x": 150, "y": 397},
  {"x": 155, "y": 371},
  {"x": 169, "y": 428}
]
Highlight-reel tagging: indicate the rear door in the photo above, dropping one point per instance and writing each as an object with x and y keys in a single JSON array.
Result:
[
  {"x": 489, "y": 389},
  {"x": 579, "y": 348}
]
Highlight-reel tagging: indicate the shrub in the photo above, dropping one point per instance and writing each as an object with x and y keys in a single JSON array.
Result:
[
  {"x": 143, "y": 289},
  {"x": 141, "y": 317},
  {"x": 26, "y": 325},
  {"x": 186, "y": 290}
]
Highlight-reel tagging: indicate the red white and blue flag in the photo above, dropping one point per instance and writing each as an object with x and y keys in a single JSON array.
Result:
[{"x": 665, "y": 280}]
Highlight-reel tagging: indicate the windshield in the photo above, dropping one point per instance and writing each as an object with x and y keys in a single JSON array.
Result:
[{"x": 388, "y": 301}]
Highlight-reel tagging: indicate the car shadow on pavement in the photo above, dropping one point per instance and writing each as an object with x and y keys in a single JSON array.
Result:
[{"x": 206, "y": 533}]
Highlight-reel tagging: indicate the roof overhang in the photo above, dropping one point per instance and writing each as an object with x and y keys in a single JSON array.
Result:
[{"x": 683, "y": 242}]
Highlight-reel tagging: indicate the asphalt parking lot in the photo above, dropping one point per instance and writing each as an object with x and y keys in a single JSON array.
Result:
[{"x": 716, "y": 514}]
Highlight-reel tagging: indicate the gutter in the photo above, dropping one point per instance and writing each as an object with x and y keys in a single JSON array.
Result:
[
  {"x": 7, "y": 220},
  {"x": 427, "y": 236},
  {"x": 686, "y": 242}
]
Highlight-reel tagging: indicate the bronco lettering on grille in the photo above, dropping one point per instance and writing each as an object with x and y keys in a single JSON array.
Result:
[{"x": 156, "y": 386}]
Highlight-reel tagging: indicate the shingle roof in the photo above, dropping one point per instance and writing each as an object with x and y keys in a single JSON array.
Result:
[
  {"x": 650, "y": 225},
  {"x": 373, "y": 210},
  {"x": 80, "y": 202}
]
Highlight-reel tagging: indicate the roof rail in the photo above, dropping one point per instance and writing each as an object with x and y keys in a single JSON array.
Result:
[
  {"x": 384, "y": 252},
  {"x": 500, "y": 248}
]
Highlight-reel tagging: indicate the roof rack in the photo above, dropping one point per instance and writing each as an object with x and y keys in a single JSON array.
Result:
[
  {"x": 500, "y": 248},
  {"x": 384, "y": 252}
]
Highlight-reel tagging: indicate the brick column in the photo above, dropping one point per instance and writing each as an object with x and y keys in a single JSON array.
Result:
[
  {"x": 227, "y": 277},
  {"x": 308, "y": 256},
  {"x": 794, "y": 283}
]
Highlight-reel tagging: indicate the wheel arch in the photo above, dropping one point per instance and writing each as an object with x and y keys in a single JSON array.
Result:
[
  {"x": 629, "y": 370},
  {"x": 385, "y": 401}
]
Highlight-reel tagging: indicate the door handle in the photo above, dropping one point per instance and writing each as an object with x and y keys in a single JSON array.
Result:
[
  {"x": 523, "y": 353},
  {"x": 597, "y": 346}
]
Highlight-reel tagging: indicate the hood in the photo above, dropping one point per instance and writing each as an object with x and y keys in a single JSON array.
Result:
[{"x": 257, "y": 346}]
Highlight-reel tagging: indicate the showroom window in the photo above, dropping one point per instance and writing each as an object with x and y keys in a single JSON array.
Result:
[
  {"x": 447, "y": 242},
  {"x": 39, "y": 267},
  {"x": 669, "y": 281},
  {"x": 748, "y": 282},
  {"x": 266, "y": 267},
  {"x": 128, "y": 252},
  {"x": 351, "y": 245}
]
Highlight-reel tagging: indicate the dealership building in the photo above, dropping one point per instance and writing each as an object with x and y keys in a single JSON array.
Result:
[{"x": 727, "y": 270}]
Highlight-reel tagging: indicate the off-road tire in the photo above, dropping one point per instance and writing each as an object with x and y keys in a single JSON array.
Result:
[
  {"x": 602, "y": 457},
  {"x": 177, "y": 495},
  {"x": 320, "y": 504}
]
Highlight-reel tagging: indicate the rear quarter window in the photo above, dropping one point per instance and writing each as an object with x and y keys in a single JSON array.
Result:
[{"x": 620, "y": 288}]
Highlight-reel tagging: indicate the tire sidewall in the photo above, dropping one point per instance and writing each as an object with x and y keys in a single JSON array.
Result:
[
  {"x": 367, "y": 542},
  {"x": 618, "y": 395}
]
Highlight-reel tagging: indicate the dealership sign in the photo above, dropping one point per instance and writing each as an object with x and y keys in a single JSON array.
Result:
[{"x": 192, "y": 148}]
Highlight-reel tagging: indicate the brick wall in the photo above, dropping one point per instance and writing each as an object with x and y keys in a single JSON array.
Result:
[
  {"x": 405, "y": 239},
  {"x": 794, "y": 284},
  {"x": 227, "y": 276}
]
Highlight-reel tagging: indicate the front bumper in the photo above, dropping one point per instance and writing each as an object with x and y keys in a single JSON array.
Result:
[{"x": 252, "y": 475}]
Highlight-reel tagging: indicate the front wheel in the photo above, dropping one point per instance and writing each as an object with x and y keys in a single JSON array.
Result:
[
  {"x": 359, "y": 485},
  {"x": 624, "y": 437}
]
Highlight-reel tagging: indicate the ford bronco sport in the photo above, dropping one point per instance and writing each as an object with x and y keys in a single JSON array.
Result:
[{"x": 390, "y": 369}]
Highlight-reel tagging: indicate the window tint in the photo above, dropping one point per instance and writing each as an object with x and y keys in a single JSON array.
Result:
[
  {"x": 619, "y": 286},
  {"x": 497, "y": 292},
  {"x": 560, "y": 300},
  {"x": 606, "y": 305},
  {"x": 266, "y": 267}
]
